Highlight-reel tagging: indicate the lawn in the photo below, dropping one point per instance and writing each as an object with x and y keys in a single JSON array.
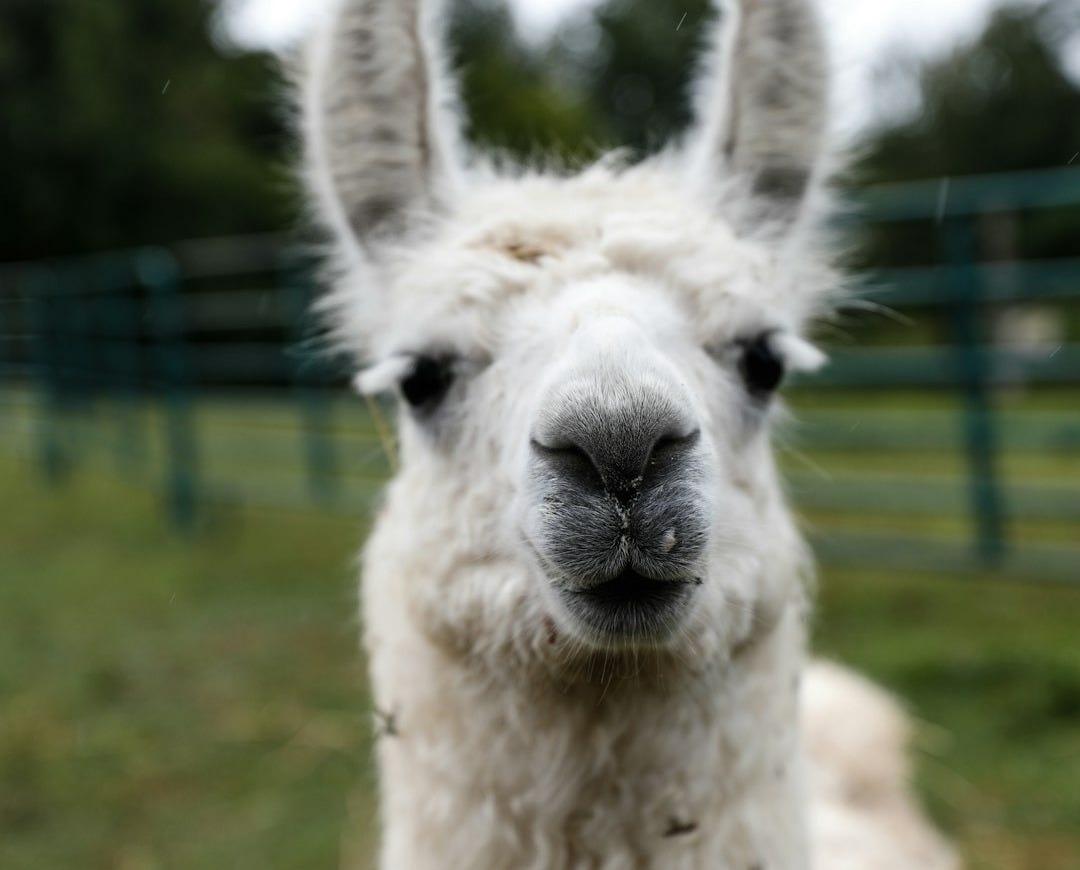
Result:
[
  {"x": 171, "y": 702},
  {"x": 199, "y": 701}
]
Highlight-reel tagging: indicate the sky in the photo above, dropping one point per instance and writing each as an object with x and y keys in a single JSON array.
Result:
[{"x": 861, "y": 32}]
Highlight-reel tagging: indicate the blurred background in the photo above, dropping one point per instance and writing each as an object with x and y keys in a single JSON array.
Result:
[{"x": 185, "y": 478}]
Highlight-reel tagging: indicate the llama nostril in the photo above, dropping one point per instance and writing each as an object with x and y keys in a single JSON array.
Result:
[
  {"x": 673, "y": 443},
  {"x": 619, "y": 463},
  {"x": 571, "y": 462}
]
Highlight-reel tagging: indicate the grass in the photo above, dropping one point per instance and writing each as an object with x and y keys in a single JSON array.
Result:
[
  {"x": 992, "y": 670},
  {"x": 171, "y": 702},
  {"x": 199, "y": 702}
]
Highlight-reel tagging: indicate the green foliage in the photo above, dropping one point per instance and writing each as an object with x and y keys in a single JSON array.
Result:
[
  {"x": 124, "y": 124},
  {"x": 1000, "y": 103},
  {"x": 639, "y": 79},
  {"x": 512, "y": 104},
  {"x": 615, "y": 76},
  {"x": 993, "y": 679}
]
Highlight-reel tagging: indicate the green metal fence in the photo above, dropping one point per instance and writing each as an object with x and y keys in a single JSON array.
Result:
[{"x": 193, "y": 368}]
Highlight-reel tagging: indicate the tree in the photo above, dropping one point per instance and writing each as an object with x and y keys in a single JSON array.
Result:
[
  {"x": 1001, "y": 103},
  {"x": 512, "y": 105},
  {"x": 617, "y": 75},
  {"x": 638, "y": 73},
  {"x": 124, "y": 124}
]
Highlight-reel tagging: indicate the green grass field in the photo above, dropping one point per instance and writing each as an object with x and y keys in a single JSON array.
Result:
[
  {"x": 199, "y": 702},
  {"x": 171, "y": 702}
]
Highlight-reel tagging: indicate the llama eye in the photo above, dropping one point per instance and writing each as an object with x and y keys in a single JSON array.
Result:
[
  {"x": 761, "y": 368},
  {"x": 428, "y": 382}
]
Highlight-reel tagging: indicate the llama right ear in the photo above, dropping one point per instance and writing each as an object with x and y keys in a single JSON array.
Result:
[
  {"x": 377, "y": 110},
  {"x": 762, "y": 111}
]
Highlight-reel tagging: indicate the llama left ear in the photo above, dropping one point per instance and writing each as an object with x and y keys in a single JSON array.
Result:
[
  {"x": 762, "y": 111},
  {"x": 379, "y": 122}
]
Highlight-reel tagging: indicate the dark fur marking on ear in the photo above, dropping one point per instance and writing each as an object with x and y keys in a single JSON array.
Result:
[
  {"x": 374, "y": 211},
  {"x": 374, "y": 90},
  {"x": 729, "y": 146},
  {"x": 775, "y": 93},
  {"x": 361, "y": 43},
  {"x": 786, "y": 24},
  {"x": 677, "y": 828},
  {"x": 384, "y": 135},
  {"x": 781, "y": 182}
]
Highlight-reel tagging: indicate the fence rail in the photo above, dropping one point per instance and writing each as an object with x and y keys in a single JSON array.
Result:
[{"x": 193, "y": 367}]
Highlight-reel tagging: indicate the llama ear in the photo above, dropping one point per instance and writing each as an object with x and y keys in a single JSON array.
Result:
[
  {"x": 762, "y": 110},
  {"x": 377, "y": 109}
]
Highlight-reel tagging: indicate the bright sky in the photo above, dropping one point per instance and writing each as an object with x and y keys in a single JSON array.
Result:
[{"x": 862, "y": 32}]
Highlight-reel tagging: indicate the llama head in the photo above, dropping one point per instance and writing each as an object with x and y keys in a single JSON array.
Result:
[{"x": 585, "y": 363}]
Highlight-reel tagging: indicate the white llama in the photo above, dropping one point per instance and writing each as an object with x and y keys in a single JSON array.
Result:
[{"x": 585, "y": 598}]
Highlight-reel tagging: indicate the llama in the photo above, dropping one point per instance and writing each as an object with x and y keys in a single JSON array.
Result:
[{"x": 585, "y": 597}]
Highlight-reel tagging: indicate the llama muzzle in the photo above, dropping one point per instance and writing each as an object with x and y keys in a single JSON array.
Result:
[{"x": 618, "y": 516}]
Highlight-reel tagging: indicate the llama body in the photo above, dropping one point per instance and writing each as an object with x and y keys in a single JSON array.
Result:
[
  {"x": 607, "y": 773},
  {"x": 513, "y": 746},
  {"x": 585, "y": 598}
]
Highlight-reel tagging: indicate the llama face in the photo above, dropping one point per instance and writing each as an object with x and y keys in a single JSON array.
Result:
[
  {"x": 586, "y": 364},
  {"x": 609, "y": 394}
]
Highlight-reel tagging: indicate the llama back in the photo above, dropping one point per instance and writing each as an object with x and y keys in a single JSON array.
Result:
[{"x": 863, "y": 812}]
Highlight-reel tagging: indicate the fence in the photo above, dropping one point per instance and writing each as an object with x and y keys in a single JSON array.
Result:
[{"x": 192, "y": 367}]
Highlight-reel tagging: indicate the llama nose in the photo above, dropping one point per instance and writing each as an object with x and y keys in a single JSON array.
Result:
[{"x": 617, "y": 453}]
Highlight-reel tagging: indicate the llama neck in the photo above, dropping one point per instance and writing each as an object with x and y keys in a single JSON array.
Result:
[{"x": 627, "y": 770}]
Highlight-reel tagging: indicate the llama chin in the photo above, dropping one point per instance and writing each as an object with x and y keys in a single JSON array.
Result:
[{"x": 585, "y": 597}]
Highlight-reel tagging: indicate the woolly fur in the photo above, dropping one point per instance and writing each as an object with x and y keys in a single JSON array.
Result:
[{"x": 510, "y": 737}]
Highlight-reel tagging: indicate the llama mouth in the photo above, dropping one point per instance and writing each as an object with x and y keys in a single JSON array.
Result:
[{"x": 631, "y": 606}]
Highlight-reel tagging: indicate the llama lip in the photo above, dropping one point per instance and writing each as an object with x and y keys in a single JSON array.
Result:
[{"x": 632, "y": 606}]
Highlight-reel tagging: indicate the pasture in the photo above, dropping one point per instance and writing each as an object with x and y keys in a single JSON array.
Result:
[{"x": 198, "y": 701}]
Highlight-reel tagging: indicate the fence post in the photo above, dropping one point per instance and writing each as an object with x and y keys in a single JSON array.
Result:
[
  {"x": 973, "y": 369},
  {"x": 7, "y": 330},
  {"x": 115, "y": 285},
  {"x": 158, "y": 272},
  {"x": 309, "y": 374},
  {"x": 42, "y": 291},
  {"x": 75, "y": 346},
  {"x": 10, "y": 281}
]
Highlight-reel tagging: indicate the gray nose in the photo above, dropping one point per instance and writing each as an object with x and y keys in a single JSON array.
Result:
[
  {"x": 616, "y": 447},
  {"x": 618, "y": 483}
]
